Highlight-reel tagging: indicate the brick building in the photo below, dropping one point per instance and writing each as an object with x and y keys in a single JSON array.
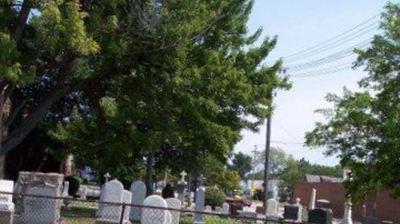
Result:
[{"x": 387, "y": 208}]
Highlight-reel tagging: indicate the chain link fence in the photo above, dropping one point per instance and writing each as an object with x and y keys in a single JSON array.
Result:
[{"x": 39, "y": 209}]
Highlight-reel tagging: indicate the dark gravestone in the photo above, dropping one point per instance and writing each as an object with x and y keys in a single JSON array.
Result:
[
  {"x": 370, "y": 220},
  {"x": 320, "y": 216},
  {"x": 322, "y": 203},
  {"x": 291, "y": 212}
]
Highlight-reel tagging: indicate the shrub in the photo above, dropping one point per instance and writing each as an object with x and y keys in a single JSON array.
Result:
[
  {"x": 214, "y": 197},
  {"x": 74, "y": 185},
  {"x": 258, "y": 195}
]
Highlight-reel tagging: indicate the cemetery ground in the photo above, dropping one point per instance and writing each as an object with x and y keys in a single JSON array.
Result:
[{"x": 40, "y": 198}]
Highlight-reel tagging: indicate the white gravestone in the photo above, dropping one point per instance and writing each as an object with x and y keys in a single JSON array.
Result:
[
  {"x": 313, "y": 196},
  {"x": 65, "y": 189},
  {"x": 272, "y": 207},
  {"x": 225, "y": 208},
  {"x": 174, "y": 203},
  {"x": 156, "y": 215},
  {"x": 52, "y": 182},
  {"x": 208, "y": 209},
  {"x": 6, "y": 204},
  {"x": 127, "y": 198},
  {"x": 199, "y": 205},
  {"x": 138, "y": 190},
  {"x": 347, "y": 217},
  {"x": 40, "y": 210},
  {"x": 35, "y": 210},
  {"x": 218, "y": 210},
  {"x": 83, "y": 193},
  {"x": 111, "y": 192}
]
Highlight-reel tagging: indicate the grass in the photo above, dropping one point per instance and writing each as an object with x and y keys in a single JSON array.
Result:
[{"x": 85, "y": 214}]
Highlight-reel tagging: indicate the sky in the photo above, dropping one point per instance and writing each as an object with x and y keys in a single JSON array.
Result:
[{"x": 300, "y": 25}]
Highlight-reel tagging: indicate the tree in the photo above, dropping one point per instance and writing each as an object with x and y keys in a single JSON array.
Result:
[
  {"x": 290, "y": 175},
  {"x": 241, "y": 163},
  {"x": 185, "y": 82},
  {"x": 40, "y": 62},
  {"x": 277, "y": 160},
  {"x": 363, "y": 127}
]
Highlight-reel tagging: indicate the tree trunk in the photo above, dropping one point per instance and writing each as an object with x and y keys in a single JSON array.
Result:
[{"x": 149, "y": 174}]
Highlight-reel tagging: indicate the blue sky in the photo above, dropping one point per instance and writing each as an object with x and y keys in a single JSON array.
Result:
[{"x": 299, "y": 25}]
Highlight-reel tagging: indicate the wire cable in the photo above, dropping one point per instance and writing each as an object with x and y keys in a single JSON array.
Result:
[{"x": 335, "y": 37}]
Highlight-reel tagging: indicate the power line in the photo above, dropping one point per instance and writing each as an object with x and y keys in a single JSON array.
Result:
[
  {"x": 328, "y": 59},
  {"x": 330, "y": 70},
  {"x": 288, "y": 143},
  {"x": 332, "y": 45},
  {"x": 287, "y": 131},
  {"x": 335, "y": 37}
]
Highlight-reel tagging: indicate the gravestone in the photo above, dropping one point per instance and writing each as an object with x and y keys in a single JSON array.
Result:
[
  {"x": 199, "y": 205},
  {"x": 112, "y": 192},
  {"x": 272, "y": 208},
  {"x": 313, "y": 196},
  {"x": 181, "y": 187},
  {"x": 218, "y": 210},
  {"x": 65, "y": 195},
  {"x": 83, "y": 192},
  {"x": 93, "y": 191},
  {"x": 347, "y": 217},
  {"x": 225, "y": 208},
  {"x": 323, "y": 203},
  {"x": 208, "y": 209},
  {"x": 6, "y": 204},
  {"x": 174, "y": 203},
  {"x": 65, "y": 189},
  {"x": 37, "y": 210},
  {"x": 127, "y": 198},
  {"x": 320, "y": 216},
  {"x": 138, "y": 190},
  {"x": 293, "y": 212},
  {"x": 155, "y": 215}
]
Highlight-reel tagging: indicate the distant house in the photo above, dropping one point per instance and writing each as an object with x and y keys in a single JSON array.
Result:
[{"x": 322, "y": 179}]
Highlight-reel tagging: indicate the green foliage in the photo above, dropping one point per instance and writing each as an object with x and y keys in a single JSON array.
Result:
[
  {"x": 242, "y": 164},
  {"x": 277, "y": 161},
  {"x": 138, "y": 76},
  {"x": 258, "y": 195},
  {"x": 289, "y": 171},
  {"x": 74, "y": 185},
  {"x": 11, "y": 69},
  {"x": 363, "y": 127},
  {"x": 214, "y": 197},
  {"x": 218, "y": 175},
  {"x": 184, "y": 78},
  {"x": 290, "y": 175}
]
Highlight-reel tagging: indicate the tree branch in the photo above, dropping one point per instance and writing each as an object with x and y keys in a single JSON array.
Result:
[
  {"x": 22, "y": 20},
  {"x": 19, "y": 134}
]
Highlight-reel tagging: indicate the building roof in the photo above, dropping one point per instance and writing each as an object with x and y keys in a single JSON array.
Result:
[{"x": 322, "y": 179}]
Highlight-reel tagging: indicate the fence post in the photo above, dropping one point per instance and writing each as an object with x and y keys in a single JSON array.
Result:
[{"x": 121, "y": 221}]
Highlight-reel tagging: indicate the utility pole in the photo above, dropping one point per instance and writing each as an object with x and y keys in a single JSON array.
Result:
[{"x": 267, "y": 149}]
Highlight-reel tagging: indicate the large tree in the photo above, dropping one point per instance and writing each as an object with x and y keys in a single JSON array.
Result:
[
  {"x": 363, "y": 127},
  {"x": 242, "y": 164},
  {"x": 188, "y": 80},
  {"x": 162, "y": 66}
]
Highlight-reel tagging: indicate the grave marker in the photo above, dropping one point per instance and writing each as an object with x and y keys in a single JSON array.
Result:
[
  {"x": 138, "y": 190},
  {"x": 174, "y": 204},
  {"x": 154, "y": 215}
]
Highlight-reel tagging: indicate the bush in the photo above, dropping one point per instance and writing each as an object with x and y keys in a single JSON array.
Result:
[
  {"x": 258, "y": 195},
  {"x": 74, "y": 185},
  {"x": 214, "y": 197}
]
